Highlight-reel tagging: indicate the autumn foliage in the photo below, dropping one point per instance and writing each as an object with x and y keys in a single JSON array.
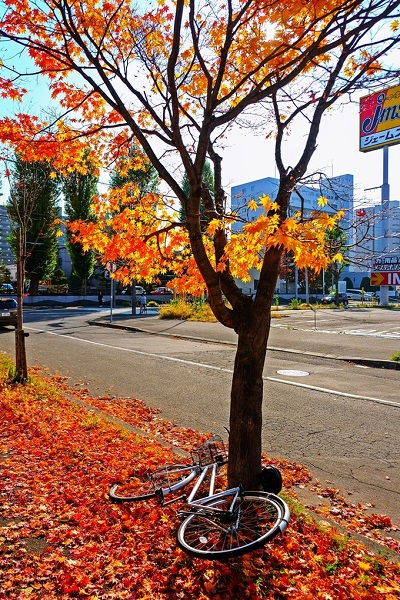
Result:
[{"x": 61, "y": 537}]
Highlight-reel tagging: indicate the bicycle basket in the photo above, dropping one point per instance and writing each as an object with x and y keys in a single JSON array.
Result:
[{"x": 211, "y": 451}]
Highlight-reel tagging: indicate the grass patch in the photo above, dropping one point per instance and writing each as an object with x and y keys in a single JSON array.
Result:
[
  {"x": 395, "y": 357},
  {"x": 188, "y": 311}
]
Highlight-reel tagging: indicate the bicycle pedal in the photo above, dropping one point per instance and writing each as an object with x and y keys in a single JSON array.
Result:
[{"x": 160, "y": 496}]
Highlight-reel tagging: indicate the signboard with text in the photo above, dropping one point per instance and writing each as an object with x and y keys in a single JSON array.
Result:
[
  {"x": 388, "y": 278},
  {"x": 386, "y": 263},
  {"x": 380, "y": 119}
]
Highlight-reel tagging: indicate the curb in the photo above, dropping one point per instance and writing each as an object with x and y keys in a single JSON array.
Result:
[{"x": 369, "y": 362}]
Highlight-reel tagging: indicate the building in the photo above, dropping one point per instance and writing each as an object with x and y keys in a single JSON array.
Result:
[
  {"x": 6, "y": 254},
  {"x": 338, "y": 190},
  {"x": 376, "y": 237}
]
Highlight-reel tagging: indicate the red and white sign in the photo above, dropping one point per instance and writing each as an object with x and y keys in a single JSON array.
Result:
[
  {"x": 380, "y": 119},
  {"x": 386, "y": 278}
]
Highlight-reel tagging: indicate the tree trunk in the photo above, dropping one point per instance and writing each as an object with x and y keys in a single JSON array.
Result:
[
  {"x": 244, "y": 464},
  {"x": 21, "y": 368},
  {"x": 34, "y": 281}
]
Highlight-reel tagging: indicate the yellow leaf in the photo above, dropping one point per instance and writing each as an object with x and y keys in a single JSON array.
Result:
[
  {"x": 252, "y": 205},
  {"x": 322, "y": 201}
]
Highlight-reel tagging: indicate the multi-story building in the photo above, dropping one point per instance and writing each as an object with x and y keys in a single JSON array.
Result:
[
  {"x": 376, "y": 237},
  {"x": 6, "y": 254}
]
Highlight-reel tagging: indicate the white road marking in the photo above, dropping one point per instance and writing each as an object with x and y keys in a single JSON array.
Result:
[
  {"x": 214, "y": 368},
  {"x": 361, "y": 332}
]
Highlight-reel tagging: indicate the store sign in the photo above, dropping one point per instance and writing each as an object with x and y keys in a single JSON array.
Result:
[
  {"x": 380, "y": 119},
  {"x": 388, "y": 278}
]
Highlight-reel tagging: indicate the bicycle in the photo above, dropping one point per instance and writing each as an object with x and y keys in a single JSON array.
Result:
[{"x": 220, "y": 525}]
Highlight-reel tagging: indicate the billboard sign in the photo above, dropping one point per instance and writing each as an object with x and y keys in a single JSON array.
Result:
[
  {"x": 380, "y": 119},
  {"x": 386, "y": 263}
]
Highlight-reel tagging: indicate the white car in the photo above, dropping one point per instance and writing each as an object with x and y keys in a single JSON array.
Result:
[
  {"x": 138, "y": 288},
  {"x": 358, "y": 295}
]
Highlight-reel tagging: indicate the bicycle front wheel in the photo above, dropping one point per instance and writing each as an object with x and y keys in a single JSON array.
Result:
[
  {"x": 255, "y": 519},
  {"x": 168, "y": 479}
]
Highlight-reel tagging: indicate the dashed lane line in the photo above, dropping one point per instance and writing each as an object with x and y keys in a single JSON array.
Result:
[{"x": 220, "y": 369}]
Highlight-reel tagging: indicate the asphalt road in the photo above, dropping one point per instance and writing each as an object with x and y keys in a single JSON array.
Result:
[{"x": 339, "y": 419}]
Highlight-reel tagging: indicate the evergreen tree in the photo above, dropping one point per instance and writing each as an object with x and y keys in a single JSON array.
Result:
[
  {"x": 32, "y": 205},
  {"x": 79, "y": 191},
  {"x": 135, "y": 168}
]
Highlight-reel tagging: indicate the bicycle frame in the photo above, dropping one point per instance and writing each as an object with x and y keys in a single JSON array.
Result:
[
  {"x": 202, "y": 502},
  {"x": 199, "y": 503}
]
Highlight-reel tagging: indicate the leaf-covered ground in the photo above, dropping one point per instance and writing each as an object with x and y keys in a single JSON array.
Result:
[{"x": 61, "y": 537}]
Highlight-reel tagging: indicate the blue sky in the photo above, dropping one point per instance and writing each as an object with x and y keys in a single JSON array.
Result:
[{"x": 248, "y": 157}]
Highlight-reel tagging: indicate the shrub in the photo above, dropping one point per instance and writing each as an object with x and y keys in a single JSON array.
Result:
[
  {"x": 396, "y": 357},
  {"x": 153, "y": 304},
  {"x": 295, "y": 303},
  {"x": 187, "y": 311}
]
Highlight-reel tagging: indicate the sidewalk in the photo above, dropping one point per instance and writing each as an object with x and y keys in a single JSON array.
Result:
[{"x": 374, "y": 351}]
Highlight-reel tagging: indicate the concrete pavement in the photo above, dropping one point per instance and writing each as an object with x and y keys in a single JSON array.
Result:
[{"x": 374, "y": 351}]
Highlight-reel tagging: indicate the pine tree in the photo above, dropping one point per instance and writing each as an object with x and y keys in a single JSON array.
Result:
[
  {"x": 33, "y": 205},
  {"x": 79, "y": 191}
]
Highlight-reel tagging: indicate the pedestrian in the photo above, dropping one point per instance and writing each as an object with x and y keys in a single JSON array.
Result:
[
  {"x": 100, "y": 298},
  {"x": 143, "y": 303}
]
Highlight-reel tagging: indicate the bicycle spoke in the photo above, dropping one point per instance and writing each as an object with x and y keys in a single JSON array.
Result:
[{"x": 256, "y": 518}]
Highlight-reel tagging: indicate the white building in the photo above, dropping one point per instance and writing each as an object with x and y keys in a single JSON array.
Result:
[
  {"x": 6, "y": 254},
  {"x": 376, "y": 235}
]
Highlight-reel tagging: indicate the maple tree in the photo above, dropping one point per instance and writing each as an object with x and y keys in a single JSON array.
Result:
[{"x": 173, "y": 78}]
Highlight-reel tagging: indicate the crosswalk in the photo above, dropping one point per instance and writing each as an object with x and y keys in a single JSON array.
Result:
[{"x": 384, "y": 333}]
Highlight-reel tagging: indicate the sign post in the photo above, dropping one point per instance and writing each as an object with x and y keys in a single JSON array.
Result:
[
  {"x": 386, "y": 272},
  {"x": 380, "y": 128}
]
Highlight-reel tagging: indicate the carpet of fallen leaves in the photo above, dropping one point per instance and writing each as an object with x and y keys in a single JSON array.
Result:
[{"x": 61, "y": 537}]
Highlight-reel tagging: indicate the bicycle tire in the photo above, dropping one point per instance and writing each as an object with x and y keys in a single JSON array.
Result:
[
  {"x": 168, "y": 478},
  {"x": 260, "y": 517}
]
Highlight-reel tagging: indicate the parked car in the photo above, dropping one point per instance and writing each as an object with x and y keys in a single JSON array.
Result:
[
  {"x": 335, "y": 299},
  {"x": 8, "y": 312},
  {"x": 139, "y": 290},
  {"x": 6, "y": 288},
  {"x": 359, "y": 295},
  {"x": 162, "y": 290}
]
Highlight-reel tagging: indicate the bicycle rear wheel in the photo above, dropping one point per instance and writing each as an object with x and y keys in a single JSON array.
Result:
[
  {"x": 168, "y": 479},
  {"x": 256, "y": 518}
]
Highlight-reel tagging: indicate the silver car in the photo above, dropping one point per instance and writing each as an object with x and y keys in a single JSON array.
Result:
[{"x": 8, "y": 312}]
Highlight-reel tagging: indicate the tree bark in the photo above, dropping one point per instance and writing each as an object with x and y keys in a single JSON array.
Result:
[
  {"x": 21, "y": 368},
  {"x": 244, "y": 464}
]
